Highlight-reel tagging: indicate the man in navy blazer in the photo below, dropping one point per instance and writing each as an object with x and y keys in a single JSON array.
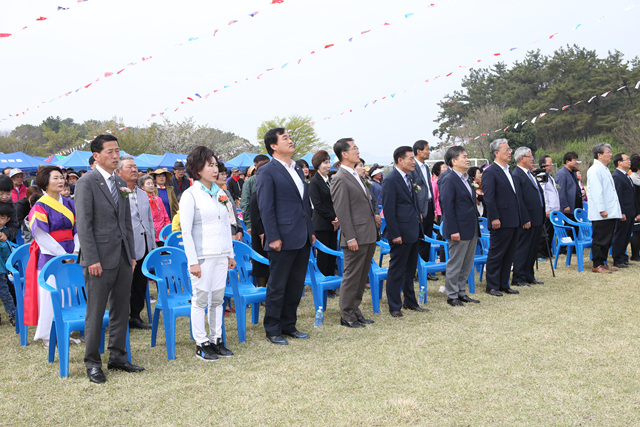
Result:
[
  {"x": 403, "y": 230},
  {"x": 503, "y": 216},
  {"x": 283, "y": 198},
  {"x": 532, "y": 214},
  {"x": 626, "y": 196},
  {"x": 569, "y": 191},
  {"x": 421, "y": 175},
  {"x": 460, "y": 225}
]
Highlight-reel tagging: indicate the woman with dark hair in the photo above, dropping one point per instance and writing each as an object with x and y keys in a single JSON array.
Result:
[
  {"x": 206, "y": 216},
  {"x": 635, "y": 178},
  {"x": 475, "y": 177},
  {"x": 438, "y": 168},
  {"x": 236, "y": 226},
  {"x": 259, "y": 271},
  {"x": 325, "y": 222},
  {"x": 53, "y": 226},
  {"x": 162, "y": 177},
  {"x": 302, "y": 164}
]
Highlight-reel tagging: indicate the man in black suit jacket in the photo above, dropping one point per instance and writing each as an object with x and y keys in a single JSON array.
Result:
[
  {"x": 569, "y": 191},
  {"x": 107, "y": 255},
  {"x": 421, "y": 175},
  {"x": 532, "y": 214},
  {"x": 283, "y": 199},
  {"x": 460, "y": 224},
  {"x": 626, "y": 196},
  {"x": 403, "y": 230},
  {"x": 503, "y": 216}
]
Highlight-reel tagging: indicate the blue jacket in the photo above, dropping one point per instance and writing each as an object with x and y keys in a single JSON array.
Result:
[
  {"x": 459, "y": 213},
  {"x": 400, "y": 208},
  {"x": 502, "y": 203},
  {"x": 285, "y": 215},
  {"x": 5, "y": 252}
]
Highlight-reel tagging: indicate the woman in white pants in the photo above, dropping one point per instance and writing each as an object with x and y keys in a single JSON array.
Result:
[{"x": 205, "y": 216}]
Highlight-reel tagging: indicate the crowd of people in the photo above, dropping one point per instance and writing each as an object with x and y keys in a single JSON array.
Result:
[{"x": 112, "y": 216}]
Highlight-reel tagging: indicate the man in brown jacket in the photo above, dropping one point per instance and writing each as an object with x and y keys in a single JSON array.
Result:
[{"x": 352, "y": 204}]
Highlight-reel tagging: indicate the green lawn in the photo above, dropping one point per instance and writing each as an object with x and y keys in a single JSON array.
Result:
[{"x": 563, "y": 353}]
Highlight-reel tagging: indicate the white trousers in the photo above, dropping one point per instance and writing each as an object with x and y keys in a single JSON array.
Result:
[
  {"x": 208, "y": 290},
  {"x": 45, "y": 312}
]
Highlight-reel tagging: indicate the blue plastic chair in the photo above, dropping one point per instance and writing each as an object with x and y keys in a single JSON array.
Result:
[
  {"x": 242, "y": 289},
  {"x": 69, "y": 307},
  {"x": 426, "y": 267},
  {"x": 565, "y": 235},
  {"x": 479, "y": 261},
  {"x": 17, "y": 266},
  {"x": 168, "y": 267},
  {"x": 164, "y": 233},
  {"x": 385, "y": 248},
  {"x": 174, "y": 239},
  {"x": 485, "y": 235},
  {"x": 581, "y": 216},
  {"x": 320, "y": 283},
  {"x": 377, "y": 275}
]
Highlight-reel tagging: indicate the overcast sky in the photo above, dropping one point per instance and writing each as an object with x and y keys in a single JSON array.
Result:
[{"x": 74, "y": 47}]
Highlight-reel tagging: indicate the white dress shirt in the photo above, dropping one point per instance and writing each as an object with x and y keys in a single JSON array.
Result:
[
  {"x": 357, "y": 177},
  {"x": 507, "y": 172},
  {"x": 423, "y": 169},
  {"x": 291, "y": 168}
]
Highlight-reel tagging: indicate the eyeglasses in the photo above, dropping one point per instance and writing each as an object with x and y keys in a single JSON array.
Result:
[{"x": 355, "y": 147}]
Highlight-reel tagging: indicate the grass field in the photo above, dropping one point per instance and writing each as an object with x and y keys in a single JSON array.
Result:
[{"x": 563, "y": 353}]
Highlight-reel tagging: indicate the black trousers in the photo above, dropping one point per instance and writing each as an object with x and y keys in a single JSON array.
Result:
[
  {"x": 502, "y": 248},
  {"x": 544, "y": 248},
  {"x": 326, "y": 262},
  {"x": 139, "y": 285},
  {"x": 526, "y": 254},
  {"x": 602, "y": 237},
  {"x": 284, "y": 289},
  {"x": 621, "y": 238},
  {"x": 403, "y": 260},
  {"x": 427, "y": 224}
]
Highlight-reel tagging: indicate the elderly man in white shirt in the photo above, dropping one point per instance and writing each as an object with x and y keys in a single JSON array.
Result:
[{"x": 604, "y": 207}]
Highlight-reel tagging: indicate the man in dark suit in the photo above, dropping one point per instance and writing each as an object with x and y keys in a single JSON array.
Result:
[
  {"x": 460, "y": 225},
  {"x": 143, "y": 237},
  {"x": 626, "y": 196},
  {"x": 283, "y": 199},
  {"x": 107, "y": 255},
  {"x": 179, "y": 182},
  {"x": 503, "y": 216},
  {"x": 352, "y": 203},
  {"x": 403, "y": 230},
  {"x": 569, "y": 191},
  {"x": 532, "y": 214},
  {"x": 422, "y": 176}
]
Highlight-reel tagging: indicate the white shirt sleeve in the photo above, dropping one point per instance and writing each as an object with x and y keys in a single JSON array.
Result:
[{"x": 48, "y": 245}]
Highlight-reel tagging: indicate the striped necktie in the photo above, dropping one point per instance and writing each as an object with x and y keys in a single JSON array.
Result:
[{"x": 114, "y": 190}]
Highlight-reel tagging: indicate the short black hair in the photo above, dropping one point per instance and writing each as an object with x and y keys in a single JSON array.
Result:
[
  {"x": 437, "y": 168},
  {"x": 34, "y": 198},
  {"x": 98, "y": 142},
  {"x": 320, "y": 157},
  {"x": 473, "y": 170},
  {"x": 260, "y": 158},
  {"x": 419, "y": 145},
  {"x": 197, "y": 159},
  {"x": 271, "y": 137},
  {"x": 453, "y": 153},
  {"x": 6, "y": 183},
  {"x": 400, "y": 153},
  {"x": 635, "y": 163},
  {"x": 617, "y": 159},
  {"x": 44, "y": 174},
  {"x": 6, "y": 209},
  {"x": 222, "y": 167},
  {"x": 542, "y": 160},
  {"x": 92, "y": 160},
  {"x": 341, "y": 146},
  {"x": 569, "y": 157},
  {"x": 301, "y": 163}
]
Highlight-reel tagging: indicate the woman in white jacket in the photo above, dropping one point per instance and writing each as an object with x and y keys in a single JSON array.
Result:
[{"x": 205, "y": 216}]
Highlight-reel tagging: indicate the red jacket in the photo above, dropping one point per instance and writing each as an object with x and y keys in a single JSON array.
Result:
[{"x": 17, "y": 194}]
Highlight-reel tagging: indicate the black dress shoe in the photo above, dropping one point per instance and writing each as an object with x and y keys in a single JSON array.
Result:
[
  {"x": 415, "y": 308},
  {"x": 126, "y": 366},
  {"x": 511, "y": 291},
  {"x": 455, "y": 302},
  {"x": 466, "y": 298},
  {"x": 136, "y": 323},
  {"x": 354, "y": 324},
  {"x": 431, "y": 276},
  {"x": 635, "y": 258},
  {"x": 494, "y": 292},
  {"x": 296, "y": 334},
  {"x": 96, "y": 375},
  {"x": 519, "y": 284},
  {"x": 621, "y": 265},
  {"x": 537, "y": 282},
  {"x": 396, "y": 313},
  {"x": 277, "y": 339},
  {"x": 629, "y": 264},
  {"x": 365, "y": 321}
]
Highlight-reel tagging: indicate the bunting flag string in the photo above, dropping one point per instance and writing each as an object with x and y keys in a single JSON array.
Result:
[
  {"x": 40, "y": 19},
  {"x": 187, "y": 99}
]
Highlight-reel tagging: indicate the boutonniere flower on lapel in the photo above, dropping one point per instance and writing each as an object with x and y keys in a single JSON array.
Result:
[
  {"x": 557, "y": 187},
  {"x": 307, "y": 180},
  {"x": 125, "y": 192},
  {"x": 223, "y": 199},
  {"x": 475, "y": 185},
  {"x": 367, "y": 183},
  {"x": 416, "y": 188}
]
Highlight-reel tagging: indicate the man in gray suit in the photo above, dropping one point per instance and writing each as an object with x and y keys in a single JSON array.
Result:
[
  {"x": 143, "y": 237},
  {"x": 107, "y": 255},
  {"x": 352, "y": 205}
]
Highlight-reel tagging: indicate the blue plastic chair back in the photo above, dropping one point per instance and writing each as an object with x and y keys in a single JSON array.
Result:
[
  {"x": 565, "y": 235},
  {"x": 174, "y": 239},
  {"x": 164, "y": 233},
  {"x": 581, "y": 215},
  {"x": 168, "y": 267},
  {"x": 17, "y": 266}
]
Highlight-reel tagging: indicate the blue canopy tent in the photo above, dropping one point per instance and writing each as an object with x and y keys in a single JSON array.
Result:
[
  {"x": 243, "y": 161},
  {"x": 169, "y": 159},
  {"x": 20, "y": 160},
  {"x": 78, "y": 160},
  {"x": 152, "y": 160}
]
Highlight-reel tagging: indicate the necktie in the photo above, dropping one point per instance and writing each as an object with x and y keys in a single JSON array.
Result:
[{"x": 114, "y": 190}]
